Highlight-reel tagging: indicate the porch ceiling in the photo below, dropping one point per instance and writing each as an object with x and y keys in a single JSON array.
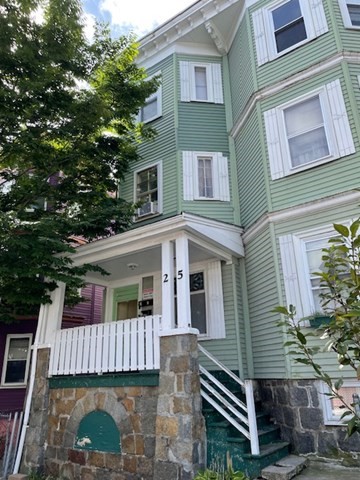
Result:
[{"x": 142, "y": 246}]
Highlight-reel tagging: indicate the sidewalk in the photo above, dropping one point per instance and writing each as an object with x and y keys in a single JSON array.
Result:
[{"x": 327, "y": 471}]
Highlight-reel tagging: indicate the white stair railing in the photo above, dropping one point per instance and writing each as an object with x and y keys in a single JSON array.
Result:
[{"x": 241, "y": 415}]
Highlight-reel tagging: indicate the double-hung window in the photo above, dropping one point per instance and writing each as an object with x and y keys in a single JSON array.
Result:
[
  {"x": 206, "y": 299},
  {"x": 350, "y": 10},
  {"x": 153, "y": 105},
  {"x": 289, "y": 25},
  {"x": 205, "y": 176},
  {"x": 201, "y": 82},
  {"x": 332, "y": 407},
  {"x": 16, "y": 360},
  {"x": 301, "y": 257},
  {"x": 286, "y": 24},
  {"x": 148, "y": 190},
  {"x": 308, "y": 131}
]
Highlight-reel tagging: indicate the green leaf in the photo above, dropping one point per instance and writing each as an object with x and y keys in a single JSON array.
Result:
[
  {"x": 338, "y": 384},
  {"x": 342, "y": 229},
  {"x": 280, "y": 309},
  {"x": 301, "y": 337}
]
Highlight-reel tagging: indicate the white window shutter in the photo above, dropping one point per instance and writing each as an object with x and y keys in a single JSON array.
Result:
[
  {"x": 185, "y": 89},
  {"x": 291, "y": 279},
  {"x": 223, "y": 178},
  {"x": 188, "y": 176},
  {"x": 217, "y": 83},
  {"x": 340, "y": 119},
  {"x": 317, "y": 13},
  {"x": 261, "y": 41},
  {"x": 215, "y": 301},
  {"x": 274, "y": 144}
]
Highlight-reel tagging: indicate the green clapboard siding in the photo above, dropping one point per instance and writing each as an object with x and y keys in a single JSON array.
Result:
[
  {"x": 298, "y": 59},
  {"x": 241, "y": 72},
  {"x": 162, "y": 148},
  {"x": 202, "y": 127},
  {"x": 300, "y": 224},
  {"x": 250, "y": 170},
  {"x": 267, "y": 340},
  {"x": 320, "y": 181},
  {"x": 349, "y": 36},
  {"x": 223, "y": 211},
  {"x": 225, "y": 349}
]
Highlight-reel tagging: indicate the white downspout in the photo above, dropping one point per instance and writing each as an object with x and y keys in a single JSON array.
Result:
[{"x": 27, "y": 409}]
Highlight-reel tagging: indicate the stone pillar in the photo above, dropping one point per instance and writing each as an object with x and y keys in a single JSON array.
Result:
[
  {"x": 180, "y": 426},
  {"x": 36, "y": 434}
]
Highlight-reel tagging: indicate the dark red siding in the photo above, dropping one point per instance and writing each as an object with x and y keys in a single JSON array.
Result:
[
  {"x": 12, "y": 399},
  {"x": 87, "y": 312}
]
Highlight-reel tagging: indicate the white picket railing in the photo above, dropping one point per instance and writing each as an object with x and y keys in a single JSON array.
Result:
[{"x": 125, "y": 345}]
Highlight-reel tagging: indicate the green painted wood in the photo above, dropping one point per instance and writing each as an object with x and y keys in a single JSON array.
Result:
[
  {"x": 307, "y": 222},
  {"x": 336, "y": 176},
  {"x": 98, "y": 431},
  {"x": 241, "y": 68},
  {"x": 124, "y": 294},
  {"x": 267, "y": 340},
  {"x": 250, "y": 171},
  {"x": 300, "y": 58},
  {"x": 202, "y": 127},
  {"x": 162, "y": 148},
  {"x": 225, "y": 349},
  {"x": 141, "y": 379}
]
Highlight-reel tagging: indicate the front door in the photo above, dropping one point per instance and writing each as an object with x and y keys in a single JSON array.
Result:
[{"x": 125, "y": 303}]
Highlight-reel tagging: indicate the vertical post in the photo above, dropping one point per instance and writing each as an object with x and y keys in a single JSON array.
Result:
[
  {"x": 250, "y": 403},
  {"x": 183, "y": 283},
  {"x": 167, "y": 279},
  {"x": 50, "y": 316}
]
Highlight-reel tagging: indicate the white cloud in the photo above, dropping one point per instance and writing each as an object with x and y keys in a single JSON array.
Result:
[
  {"x": 89, "y": 22},
  {"x": 142, "y": 15}
]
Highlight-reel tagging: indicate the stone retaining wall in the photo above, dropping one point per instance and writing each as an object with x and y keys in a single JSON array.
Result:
[
  {"x": 160, "y": 425},
  {"x": 134, "y": 412},
  {"x": 296, "y": 407}
]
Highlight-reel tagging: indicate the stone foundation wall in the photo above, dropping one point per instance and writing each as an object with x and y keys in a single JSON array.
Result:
[
  {"x": 157, "y": 426},
  {"x": 296, "y": 407},
  {"x": 134, "y": 412}
]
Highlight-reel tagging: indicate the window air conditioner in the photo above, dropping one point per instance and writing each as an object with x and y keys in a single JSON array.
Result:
[{"x": 149, "y": 208}]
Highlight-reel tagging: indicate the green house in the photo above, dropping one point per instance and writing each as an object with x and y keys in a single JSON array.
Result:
[{"x": 256, "y": 155}]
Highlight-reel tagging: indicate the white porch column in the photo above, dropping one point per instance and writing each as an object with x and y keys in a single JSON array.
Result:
[
  {"x": 50, "y": 317},
  {"x": 167, "y": 279},
  {"x": 183, "y": 283}
]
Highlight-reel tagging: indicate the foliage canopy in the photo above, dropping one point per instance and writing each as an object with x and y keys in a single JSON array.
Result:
[{"x": 68, "y": 133}]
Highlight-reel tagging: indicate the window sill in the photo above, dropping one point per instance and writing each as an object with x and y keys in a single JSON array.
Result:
[
  {"x": 11, "y": 387},
  {"x": 308, "y": 166},
  {"x": 147, "y": 217},
  {"x": 149, "y": 120}
]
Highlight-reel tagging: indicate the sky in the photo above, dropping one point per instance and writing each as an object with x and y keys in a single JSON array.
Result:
[{"x": 138, "y": 16}]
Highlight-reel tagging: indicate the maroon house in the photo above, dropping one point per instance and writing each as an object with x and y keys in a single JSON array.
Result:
[{"x": 16, "y": 340}]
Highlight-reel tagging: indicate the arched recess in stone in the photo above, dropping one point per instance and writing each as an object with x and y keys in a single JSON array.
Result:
[
  {"x": 98, "y": 431},
  {"x": 96, "y": 399}
]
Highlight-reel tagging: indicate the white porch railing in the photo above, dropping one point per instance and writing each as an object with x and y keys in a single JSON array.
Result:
[
  {"x": 125, "y": 345},
  {"x": 241, "y": 415}
]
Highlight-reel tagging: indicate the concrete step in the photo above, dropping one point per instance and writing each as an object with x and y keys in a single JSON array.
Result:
[{"x": 284, "y": 469}]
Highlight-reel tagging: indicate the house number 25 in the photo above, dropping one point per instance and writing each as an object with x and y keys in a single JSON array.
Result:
[{"x": 180, "y": 275}]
